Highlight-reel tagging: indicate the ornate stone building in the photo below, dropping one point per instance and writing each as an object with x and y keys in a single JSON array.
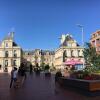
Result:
[
  {"x": 39, "y": 57},
  {"x": 69, "y": 49},
  {"x": 10, "y": 53},
  {"x": 95, "y": 40}
]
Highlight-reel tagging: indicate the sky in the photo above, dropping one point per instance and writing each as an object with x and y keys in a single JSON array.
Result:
[{"x": 38, "y": 24}]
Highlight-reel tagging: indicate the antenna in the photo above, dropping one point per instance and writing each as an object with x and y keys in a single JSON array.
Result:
[
  {"x": 12, "y": 32},
  {"x": 79, "y": 25}
]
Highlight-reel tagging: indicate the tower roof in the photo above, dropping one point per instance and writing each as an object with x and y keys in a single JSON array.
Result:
[
  {"x": 66, "y": 39},
  {"x": 9, "y": 36}
]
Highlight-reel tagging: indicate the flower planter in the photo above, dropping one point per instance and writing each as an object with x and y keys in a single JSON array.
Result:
[{"x": 90, "y": 87}]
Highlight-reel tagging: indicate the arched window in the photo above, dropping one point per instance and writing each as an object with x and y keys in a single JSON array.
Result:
[
  {"x": 78, "y": 53},
  {"x": 64, "y": 55},
  {"x": 72, "y": 53},
  {"x": 6, "y": 44},
  {"x": 14, "y": 62},
  {"x": 15, "y": 54},
  {"x": 6, "y": 63}
]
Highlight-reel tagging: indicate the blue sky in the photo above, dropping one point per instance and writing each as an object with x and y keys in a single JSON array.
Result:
[{"x": 39, "y": 23}]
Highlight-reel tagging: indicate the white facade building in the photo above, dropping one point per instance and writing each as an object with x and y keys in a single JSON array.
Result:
[
  {"x": 10, "y": 53},
  {"x": 68, "y": 50}
]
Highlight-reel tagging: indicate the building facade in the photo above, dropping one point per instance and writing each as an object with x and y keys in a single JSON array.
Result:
[
  {"x": 10, "y": 53},
  {"x": 68, "y": 50},
  {"x": 39, "y": 57},
  {"x": 95, "y": 41}
]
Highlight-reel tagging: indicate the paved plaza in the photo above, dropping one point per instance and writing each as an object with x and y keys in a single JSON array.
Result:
[{"x": 37, "y": 87}]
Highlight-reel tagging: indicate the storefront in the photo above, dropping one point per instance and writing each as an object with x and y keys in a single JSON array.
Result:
[{"x": 76, "y": 64}]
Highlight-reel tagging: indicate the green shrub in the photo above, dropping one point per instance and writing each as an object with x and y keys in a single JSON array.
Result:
[{"x": 47, "y": 67}]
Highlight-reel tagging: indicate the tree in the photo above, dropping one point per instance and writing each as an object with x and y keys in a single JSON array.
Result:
[
  {"x": 42, "y": 66},
  {"x": 47, "y": 67},
  {"x": 36, "y": 58},
  {"x": 42, "y": 62},
  {"x": 91, "y": 57}
]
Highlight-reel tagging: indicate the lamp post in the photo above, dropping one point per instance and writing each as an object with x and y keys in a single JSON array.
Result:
[{"x": 82, "y": 31}]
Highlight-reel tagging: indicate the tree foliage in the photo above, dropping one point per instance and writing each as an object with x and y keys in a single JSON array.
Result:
[
  {"x": 91, "y": 57},
  {"x": 47, "y": 67}
]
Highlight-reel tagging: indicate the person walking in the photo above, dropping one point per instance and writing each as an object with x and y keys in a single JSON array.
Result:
[
  {"x": 58, "y": 75},
  {"x": 31, "y": 69},
  {"x": 13, "y": 76},
  {"x": 22, "y": 70}
]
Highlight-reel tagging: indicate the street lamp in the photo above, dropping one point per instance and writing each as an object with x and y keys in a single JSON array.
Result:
[{"x": 82, "y": 30}]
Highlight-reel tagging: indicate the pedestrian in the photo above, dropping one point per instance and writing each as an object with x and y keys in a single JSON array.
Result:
[
  {"x": 13, "y": 76},
  {"x": 58, "y": 75},
  {"x": 22, "y": 70},
  {"x": 0, "y": 67},
  {"x": 66, "y": 73},
  {"x": 31, "y": 69}
]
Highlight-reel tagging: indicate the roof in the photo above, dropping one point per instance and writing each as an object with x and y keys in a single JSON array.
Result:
[
  {"x": 9, "y": 36},
  {"x": 15, "y": 44},
  {"x": 67, "y": 39},
  {"x": 42, "y": 52}
]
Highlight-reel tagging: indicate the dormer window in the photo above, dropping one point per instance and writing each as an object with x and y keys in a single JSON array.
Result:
[
  {"x": 78, "y": 53},
  {"x": 69, "y": 44},
  {"x": 6, "y": 44}
]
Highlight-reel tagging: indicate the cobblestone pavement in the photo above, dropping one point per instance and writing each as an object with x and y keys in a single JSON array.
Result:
[{"x": 37, "y": 87}]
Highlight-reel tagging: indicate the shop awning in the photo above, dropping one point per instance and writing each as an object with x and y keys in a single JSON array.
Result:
[{"x": 73, "y": 62}]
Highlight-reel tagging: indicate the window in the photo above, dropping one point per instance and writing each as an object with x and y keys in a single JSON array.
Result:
[
  {"x": 98, "y": 49},
  {"x": 72, "y": 53},
  {"x": 6, "y": 54},
  {"x": 79, "y": 53},
  {"x": 14, "y": 62},
  {"x": 6, "y": 63},
  {"x": 6, "y": 44},
  {"x": 15, "y": 54},
  {"x": 93, "y": 43},
  {"x": 98, "y": 41},
  {"x": 64, "y": 55},
  {"x": 69, "y": 45}
]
